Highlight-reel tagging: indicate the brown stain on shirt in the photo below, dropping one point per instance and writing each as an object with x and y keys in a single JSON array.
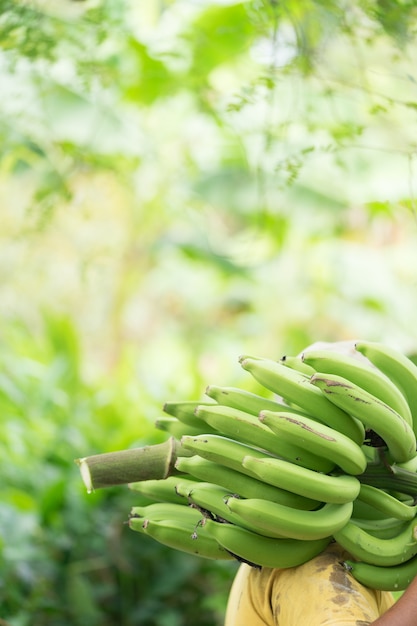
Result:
[{"x": 343, "y": 590}]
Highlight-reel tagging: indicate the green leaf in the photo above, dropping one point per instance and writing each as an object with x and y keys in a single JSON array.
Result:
[
  {"x": 218, "y": 36},
  {"x": 149, "y": 78}
]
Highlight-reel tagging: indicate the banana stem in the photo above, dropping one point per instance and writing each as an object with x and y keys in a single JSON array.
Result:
[
  {"x": 392, "y": 477},
  {"x": 126, "y": 466}
]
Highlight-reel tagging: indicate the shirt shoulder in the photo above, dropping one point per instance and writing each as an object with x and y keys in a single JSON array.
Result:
[{"x": 318, "y": 593}]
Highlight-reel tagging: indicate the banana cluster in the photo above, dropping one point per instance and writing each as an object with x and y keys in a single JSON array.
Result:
[{"x": 329, "y": 455}]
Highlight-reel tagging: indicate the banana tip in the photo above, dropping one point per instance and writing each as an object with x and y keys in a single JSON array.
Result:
[{"x": 244, "y": 361}]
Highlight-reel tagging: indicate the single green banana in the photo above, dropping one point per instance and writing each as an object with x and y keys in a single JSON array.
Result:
[
  {"x": 294, "y": 387},
  {"x": 276, "y": 520},
  {"x": 263, "y": 551},
  {"x": 364, "y": 511},
  {"x": 359, "y": 373},
  {"x": 222, "y": 450},
  {"x": 405, "y": 498},
  {"x": 248, "y": 429},
  {"x": 162, "y": 490},
  {"x": 321, "y": 440},
  {"x": 385, "y": 528},
  {"x": 159, "y": 511},
  {"x": 386, "y": 503},
  {"x": 246, "y": 400},
  {"x": 394, "y": 578},
  {"x": 387, "y": 552},
  {"x": 303, "y": 481},
  {"x": 242, "y": 484},
  {"x": 183, "y": 537},
  {"x": 372, "y": 412},
  {"x": 183, "y": 410},
  {"x": 177, "y": 429},
  {"x": 298, "y": 364}
]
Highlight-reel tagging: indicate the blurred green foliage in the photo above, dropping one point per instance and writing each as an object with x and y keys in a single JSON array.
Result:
[
  {"x": 66, "y": 557},
  {"x": 181, "y": 182}
]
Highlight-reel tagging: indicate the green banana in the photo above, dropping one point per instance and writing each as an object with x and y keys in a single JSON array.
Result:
[
  {"x": 372, "y": 412},
  {"x": 246, "y": 400},
  {"x": 394, "y": 578},
  {"x": 362, "y": 374},
  {"x": 276, "y": 520},
  {"x": 372, "y": 454},
  {"x": 386, "y": 503},
  {"x": 298, "y": 364},
  {"x": 248, "y": 429},
  {"x": 159, "y": 511},
  {"x": 405, "y": 498},
  {"x": 263, "y": 551},
  {"x": 184, "y": 537},
  {"x": 410, "y": 465},
  {"x": 326, "y": 442},
  {"x": 162, "y": 490},
  {"x": 177, "y": 429},
  {"x": 386, "y": 552},
  {"x": 242, "y": 484},
  {"x": 364, "y": 511},
  {"x": 222, "y": 450},
  {"x": 184, "y": 411},
  {"x": 397, "y": 367},
  {"x": 294, "y": 387},
  {"x": 303, "y": 481},
  {"x": 385, "y": 528}
]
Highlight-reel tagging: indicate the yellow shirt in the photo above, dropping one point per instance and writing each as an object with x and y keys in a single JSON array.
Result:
[{"x": 319, "y": 593}]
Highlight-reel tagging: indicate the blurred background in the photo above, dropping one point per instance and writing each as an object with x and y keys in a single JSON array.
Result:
[{"x": 181, "y": 182}]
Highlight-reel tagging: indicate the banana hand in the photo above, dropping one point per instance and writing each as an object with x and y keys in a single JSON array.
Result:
[
  {"x": 294, "y": 387},
  {"x": 277, "y": 520},
  {"x": 305, "y": 482},
  {"x": 362, "y": 374},
  {"x": 248, "y": 429},
  {"x": 240, "y": 483},
  {"x": 181, "y": 536},
  {"x": 264, "y": 551},
  {"x": 397, "y": 367},
  {"x": 385, "y": 552},
  {"x": 321, "y": 440},
  {"x": 372, "y": 412}
]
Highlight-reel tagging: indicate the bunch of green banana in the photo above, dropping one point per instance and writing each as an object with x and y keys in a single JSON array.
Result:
[
  {"x": 177, "y": 526},
  {"x": 324, "y": 450}
]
